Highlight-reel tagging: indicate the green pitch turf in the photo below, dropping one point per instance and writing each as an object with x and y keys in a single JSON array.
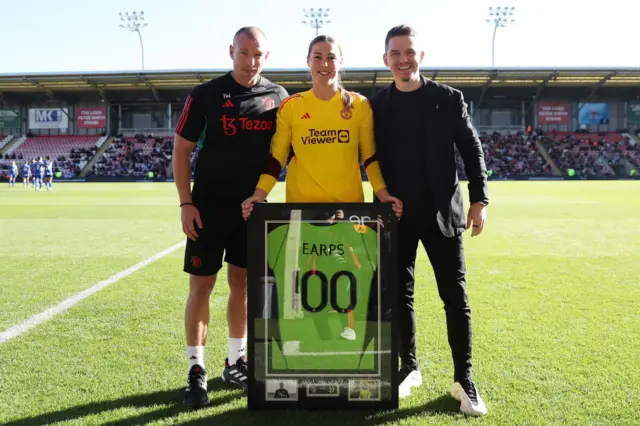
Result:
[{"x": 554, "y": 286}]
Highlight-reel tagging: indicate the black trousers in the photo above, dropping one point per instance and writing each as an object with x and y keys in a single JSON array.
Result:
[{"x": 447, "y": 260}]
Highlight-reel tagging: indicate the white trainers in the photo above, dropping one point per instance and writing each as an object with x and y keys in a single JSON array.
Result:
[
  {"x": 348, "y": 333},
  {"x": 414, "y": 379},
  {"x": 470, "y": 401}
]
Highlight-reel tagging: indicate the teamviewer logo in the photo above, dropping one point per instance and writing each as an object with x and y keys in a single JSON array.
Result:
[
  {"x": 343, "y": 136},
  {"x": 48, "y": 116}
]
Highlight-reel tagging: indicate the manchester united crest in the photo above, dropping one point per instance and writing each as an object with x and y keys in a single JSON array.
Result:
[
  {"x": 346, "y": 113},
  {"x": 268, "y": 103},
  {"x": 196, "y": 261}
]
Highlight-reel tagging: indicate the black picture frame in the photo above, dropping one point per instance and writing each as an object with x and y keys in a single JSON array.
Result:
[{"x": 323, "y": 389}]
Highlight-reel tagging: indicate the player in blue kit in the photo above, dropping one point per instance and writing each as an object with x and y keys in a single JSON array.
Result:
[
  {"x": 35, "y": 173},
  {"x": 48, "y": 173},
  {"x": 40, "y": 172},
  {"x": 26, "y": 174},
  {"x": 13, "y": 173}
]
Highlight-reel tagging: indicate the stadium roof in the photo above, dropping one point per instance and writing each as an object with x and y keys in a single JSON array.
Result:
[{"x": 105, "y": 81}]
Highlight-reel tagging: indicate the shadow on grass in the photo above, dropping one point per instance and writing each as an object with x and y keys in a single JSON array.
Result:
[
  {"x": 172, "y": 400},
  {"x": 444, "y": 405}
]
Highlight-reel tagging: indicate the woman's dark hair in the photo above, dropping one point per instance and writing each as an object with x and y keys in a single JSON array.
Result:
[{"x": 347, "y": 100}]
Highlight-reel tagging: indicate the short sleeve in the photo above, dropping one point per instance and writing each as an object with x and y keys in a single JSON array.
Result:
[{"x": 193, "y": 120}]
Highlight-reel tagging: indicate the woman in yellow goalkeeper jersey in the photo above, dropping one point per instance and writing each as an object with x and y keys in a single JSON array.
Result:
[{"x": 321, "y": 133}]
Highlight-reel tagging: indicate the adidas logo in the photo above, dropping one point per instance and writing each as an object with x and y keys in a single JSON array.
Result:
[
  {"x": 306, "y": 115},
  {"x": 228, "y": 104}
]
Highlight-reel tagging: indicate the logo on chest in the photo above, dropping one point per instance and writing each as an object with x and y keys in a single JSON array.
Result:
[
  {"x": 268, "y": 103},
  {"x": 316, "y": 136},
  {"x": 231, "y": 125},
  {"x": 346, "y": 113}
]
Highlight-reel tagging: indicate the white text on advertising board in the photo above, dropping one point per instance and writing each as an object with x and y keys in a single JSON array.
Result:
[
  {"x": 4, "y": 113},
  {"x": 553, "y": 113},
  {"x": 50, "y": 116},
  {"x": 91, "y": 117}
]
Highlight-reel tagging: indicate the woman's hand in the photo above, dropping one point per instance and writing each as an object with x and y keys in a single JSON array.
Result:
[
  {"x": 384, "y": 197},
  {"x": 247, "y": 205}
]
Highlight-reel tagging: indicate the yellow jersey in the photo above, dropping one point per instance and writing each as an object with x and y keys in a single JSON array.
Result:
[{"x": 322, "y": 142}]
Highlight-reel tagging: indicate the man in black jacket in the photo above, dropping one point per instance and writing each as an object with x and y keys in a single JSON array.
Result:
[{"x": 419, "y": 124}]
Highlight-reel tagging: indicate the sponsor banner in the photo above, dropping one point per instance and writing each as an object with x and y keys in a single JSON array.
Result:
[
  {"x": 553, "y": 113},
  {"x": 594, "y": 113},
  {"x": 633, "y": 113},
  {"x": 91, "y": 118},
  {"x": 49, "y": 118},
  {"x": 9, "y": 118}
]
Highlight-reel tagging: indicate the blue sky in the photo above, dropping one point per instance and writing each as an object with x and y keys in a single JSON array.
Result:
[{"x": 73, "y": 35}]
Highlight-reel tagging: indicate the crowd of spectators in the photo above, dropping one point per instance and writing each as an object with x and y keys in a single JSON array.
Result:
[
  {"x": 136, "y": 156},
  {"x": 511, "y": 155},
  {"x": 68, "y": 166},
  {"x": 590, "y": 154},
  {"x": 507, "y": 156}
]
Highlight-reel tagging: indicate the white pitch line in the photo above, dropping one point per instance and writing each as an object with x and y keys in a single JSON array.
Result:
[{"x": 38, "y": 319}]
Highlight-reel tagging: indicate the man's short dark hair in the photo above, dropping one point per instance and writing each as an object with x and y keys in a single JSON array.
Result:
[
  {"x": 254, "y": 32},
  {"x": 400, "y": 30}
]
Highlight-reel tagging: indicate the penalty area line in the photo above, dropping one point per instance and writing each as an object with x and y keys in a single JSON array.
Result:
[{"x": 66, "y": 304}]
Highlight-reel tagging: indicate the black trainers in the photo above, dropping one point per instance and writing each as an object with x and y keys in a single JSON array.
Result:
[
  {"x": 195, "y": 396},
  {"x": 236, "y": 374}
]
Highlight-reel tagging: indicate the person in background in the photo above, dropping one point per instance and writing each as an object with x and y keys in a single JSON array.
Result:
[{"x": 13, "y": 174}]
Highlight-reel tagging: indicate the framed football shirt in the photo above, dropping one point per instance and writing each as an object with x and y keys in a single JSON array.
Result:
[{"x": 321, "y": 303}]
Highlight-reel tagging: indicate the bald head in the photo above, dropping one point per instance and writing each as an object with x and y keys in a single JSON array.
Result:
[{"x": 253, "y": 33}]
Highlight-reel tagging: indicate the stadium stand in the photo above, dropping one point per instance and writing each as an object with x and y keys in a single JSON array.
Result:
[
  {"x": 508, "y": 156},
  {"x": 506, "y": 105},
  {"x": 4, "y": 141},
  {"x": 511, "y": 155},
  {"x": 588, "y": 154},
  {"x": 136, "y": 156},
  {"x": 69, "y": 153}
]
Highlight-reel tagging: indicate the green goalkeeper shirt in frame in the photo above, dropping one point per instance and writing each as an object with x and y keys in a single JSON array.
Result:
[{"x": 322, "y": 273}]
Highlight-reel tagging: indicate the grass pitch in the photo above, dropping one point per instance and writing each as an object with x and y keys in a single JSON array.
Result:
[{"x": 554, "y": 286}]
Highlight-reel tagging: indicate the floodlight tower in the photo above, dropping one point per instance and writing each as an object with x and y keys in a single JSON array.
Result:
[
  {"x": 499, "y": 18},
  {"x": 316, "y": 18},
  {"x": 133, "y": 22}
]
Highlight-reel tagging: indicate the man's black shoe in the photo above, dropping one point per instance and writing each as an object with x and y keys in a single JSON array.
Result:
[
  {"x": 195, "y": 396},
  {"x": 236, "y": 374}
]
